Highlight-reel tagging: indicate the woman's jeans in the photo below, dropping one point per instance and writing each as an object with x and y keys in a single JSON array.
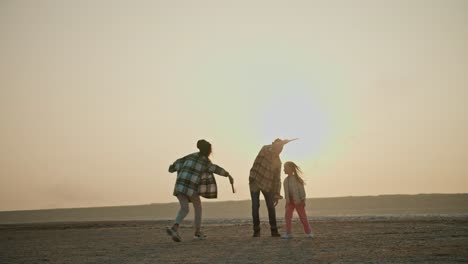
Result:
[{"x": 184, "y": 209}]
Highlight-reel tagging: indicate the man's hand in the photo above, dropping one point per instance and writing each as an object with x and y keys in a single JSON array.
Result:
[{"x": 277, "y": 197}]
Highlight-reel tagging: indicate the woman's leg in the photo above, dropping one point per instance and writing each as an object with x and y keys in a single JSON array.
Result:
[
  {"x": 198, "y": 212},
  {"x": 289, "y": 209},
  {"x": 183, "y": 211},
  {"x": 300, "y": 208}
]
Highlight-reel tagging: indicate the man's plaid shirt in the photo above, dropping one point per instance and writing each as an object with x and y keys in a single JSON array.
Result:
[
  {"x": 266, "y": 171},
  {"x": 189, "y": 173}
]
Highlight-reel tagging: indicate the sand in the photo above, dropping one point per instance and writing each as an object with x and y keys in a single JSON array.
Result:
[{"x": 337, "y": 240}]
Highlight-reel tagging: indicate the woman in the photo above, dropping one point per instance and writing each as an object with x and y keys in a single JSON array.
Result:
[{"x": 194, "y": 179}]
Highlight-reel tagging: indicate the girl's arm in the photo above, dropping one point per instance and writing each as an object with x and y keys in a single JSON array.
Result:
[
  {"x": 286, "y": 189},
  {"x": 302, "y": 192}
]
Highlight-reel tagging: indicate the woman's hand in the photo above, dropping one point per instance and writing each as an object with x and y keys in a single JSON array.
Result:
[{"x": 231, "y": 180}]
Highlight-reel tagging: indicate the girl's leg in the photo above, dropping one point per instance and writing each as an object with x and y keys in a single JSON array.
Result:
[
  {"x": 184, "y": 210},
  {"x": 198, "y": 212},
  {"x": 289, "y": 209},
  {"x": 300, "y": 208}
]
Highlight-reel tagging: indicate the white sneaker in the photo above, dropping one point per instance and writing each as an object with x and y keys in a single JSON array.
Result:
[
  {"x": 287, "y": 236},
  {"x": 310, "y": 235}
]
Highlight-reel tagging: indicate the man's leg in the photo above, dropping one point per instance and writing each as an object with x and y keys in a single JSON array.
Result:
[
  {"x": 255, "y": 196},
  {"x": 270, "y": 202}
]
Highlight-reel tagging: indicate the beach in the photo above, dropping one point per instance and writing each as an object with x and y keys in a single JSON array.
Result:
[{"x": 353, "y": 239}]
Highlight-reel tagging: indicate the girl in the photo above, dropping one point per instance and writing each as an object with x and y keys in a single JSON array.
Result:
[
  {"x": 295, "y": 199},
  {"x": 194, "y": 179}
]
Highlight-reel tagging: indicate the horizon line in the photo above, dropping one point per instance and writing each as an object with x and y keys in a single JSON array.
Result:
[{"x": 208, "y": 201}]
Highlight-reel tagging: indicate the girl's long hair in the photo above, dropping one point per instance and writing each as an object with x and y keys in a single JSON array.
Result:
[{"x": 296, "y": 171}]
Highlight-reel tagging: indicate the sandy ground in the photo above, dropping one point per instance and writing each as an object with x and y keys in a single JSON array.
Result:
[{"x": 337, "y": 240}]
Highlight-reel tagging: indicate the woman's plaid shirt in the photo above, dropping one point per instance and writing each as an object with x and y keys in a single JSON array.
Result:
[{"x": 189, "y": 170}]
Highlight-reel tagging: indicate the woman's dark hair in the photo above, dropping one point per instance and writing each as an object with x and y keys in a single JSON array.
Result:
[{"x": 204, "y": 147}]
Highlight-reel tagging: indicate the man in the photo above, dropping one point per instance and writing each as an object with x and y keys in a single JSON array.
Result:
[{"x": 265, "y": 177}]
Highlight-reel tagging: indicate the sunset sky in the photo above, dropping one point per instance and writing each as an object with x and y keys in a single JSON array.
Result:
[{"x": 98, "y": 98}]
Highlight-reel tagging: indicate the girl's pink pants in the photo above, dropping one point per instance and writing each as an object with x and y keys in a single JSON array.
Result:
[{"x": 300, "y": 209}]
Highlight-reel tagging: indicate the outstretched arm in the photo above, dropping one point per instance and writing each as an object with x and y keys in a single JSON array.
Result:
[
  {"x": 213, "y": 168},
  {"x": 176, "y": 165}
]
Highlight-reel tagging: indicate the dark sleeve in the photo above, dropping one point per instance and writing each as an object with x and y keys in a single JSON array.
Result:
[
  {"x": 213, "y": 168},
  {"x": 177, "y": 165}
]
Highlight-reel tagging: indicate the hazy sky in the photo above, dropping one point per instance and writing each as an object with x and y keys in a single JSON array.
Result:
[{"x": 97, "y": 98}]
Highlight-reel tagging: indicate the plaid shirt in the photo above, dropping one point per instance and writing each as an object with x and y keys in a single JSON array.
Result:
[
  {"x": 266, "y": 171},
  {"x": 195, "y": 176}
]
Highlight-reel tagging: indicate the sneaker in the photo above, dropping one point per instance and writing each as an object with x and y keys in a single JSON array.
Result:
[
  {"x": 199, "y": 236},
  {"x": 310, "y": 235},
  {"x": 275, "y": 234},
  {"x": 287, "y": 236},
  {"x": 173, "y": 233}
]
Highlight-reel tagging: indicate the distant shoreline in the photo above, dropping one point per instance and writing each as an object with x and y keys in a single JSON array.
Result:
[
  {"x": 381, "y": 205},
  {"x": 235, "y": 201}
]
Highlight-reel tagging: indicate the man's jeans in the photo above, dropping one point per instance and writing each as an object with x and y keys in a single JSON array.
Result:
[{"x": 270, "y": 202}]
